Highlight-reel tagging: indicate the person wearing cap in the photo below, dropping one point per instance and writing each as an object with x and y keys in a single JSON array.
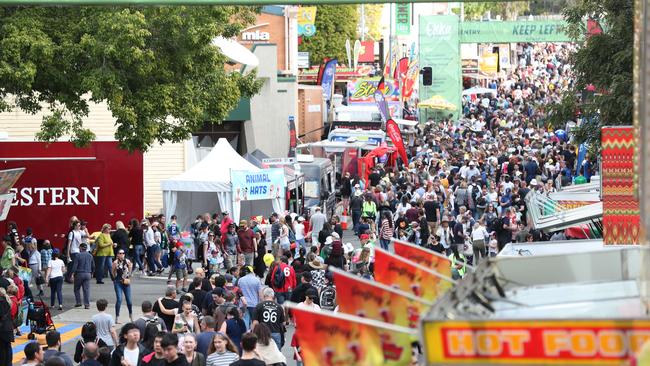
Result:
[
  {"x": 444, "y": 235},
  {"x": 152, "y": 247},
  {"x": 82, "y": 268}
]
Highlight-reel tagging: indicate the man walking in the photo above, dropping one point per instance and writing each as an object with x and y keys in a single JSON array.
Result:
[
  {"x": 250, "y": 286},
  {"x": 271, "y": 313},
  {"x": 316, "y": 222},
  {"x": 53, "y": 339},
  {"x": 81, "y": 270},
  {"x": 247, "y": 243}
]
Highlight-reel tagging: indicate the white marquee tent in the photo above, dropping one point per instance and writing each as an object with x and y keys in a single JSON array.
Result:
[{"x": 206, "y": 187}]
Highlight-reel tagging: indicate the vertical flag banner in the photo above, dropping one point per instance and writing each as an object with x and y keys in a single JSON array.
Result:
[
  {"x": 423, "y": 256},
  {"x": 380, "y": 100},
  {"x": 348, "y": 52},
  {"x": 355, "y": 53},
  {"x": 403, "y": 19},
  {"x": 411, "y": 78},
  {"x": 306, "y": 20},
  {"x": 621, "y": 212},
  {"x": 439, "y": 49},
  {"x": 392, "y": 130},
  {"x": 329, "y": 75},
  {"x": 373, "y": 300},
  {"x": 392, "y": 270},
  {"x": 334, "y": 339},
  {"x": 293, "y": 138},
  {"x": 401, "y": 69}
]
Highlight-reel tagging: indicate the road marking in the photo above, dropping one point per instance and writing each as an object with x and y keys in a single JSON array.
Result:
[{"x": 68, "y": 332}]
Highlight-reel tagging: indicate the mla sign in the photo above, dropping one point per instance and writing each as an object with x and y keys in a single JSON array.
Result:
[
  {"x": 537, "y": 342},
  {"x": 262, "y": 184}
]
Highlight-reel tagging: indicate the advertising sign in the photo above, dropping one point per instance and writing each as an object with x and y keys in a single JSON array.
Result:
[
  {"x": 306, "y": 20},
  {"x": 395, "y": 135},
  {"x": 373, "y": 300},
  {"x": 488, "y": 63},
  {"x": 367, "y": 51},
  {"x": 423, "y": 256},
  {"x": 5, "y": 204},
  {"x": 393, "y": 270},
  {"x": 514, "y": 32},
  {"x": 8, "y": 178},
  {"x": 261, "y": 184},
  {"x": 327, "y": 81},
  {"x": 99, "y": 184},
  {"x": 334, "y": 339},
  {"x": 363, "y": 90},
  {"x": 440, "y": 50},
  {"x": 534, "y": 342},
  {"x": 303, "y": 60},
  {"x": 403, "y": 19}
]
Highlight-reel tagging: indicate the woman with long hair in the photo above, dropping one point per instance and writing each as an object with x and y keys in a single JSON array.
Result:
[
  {"x": 193, "y": 357},
  {"x": 234, "y": 326},
  {"x": 137, "y": 240},
  {"x": 386, "y": 230},
  {"x": 104, "y": 253},
  {"x": 121, "y": 237},
  {"x": 266, "y": 347},
  {"x": 121, "y": 272},
  {"x": 88, "y": 334},
  {"x": 222, "y": 351},
  {"x": 54, "y": 278}
]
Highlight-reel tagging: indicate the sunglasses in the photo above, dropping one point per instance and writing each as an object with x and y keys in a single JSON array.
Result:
[{"x": 120, "y": 252}]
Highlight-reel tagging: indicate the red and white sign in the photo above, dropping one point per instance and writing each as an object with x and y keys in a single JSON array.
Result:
[
  {"x": 534, "y": 342},
  {"x": 99, "y": 184}
]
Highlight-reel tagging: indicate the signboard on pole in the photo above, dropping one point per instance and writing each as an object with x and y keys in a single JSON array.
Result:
[
  {"x": 533, "y": 342},
  {"x": 514, "y": 32},
  {"x": 262, "y": 184},
  {"x": 279, "y": 161},
  {"x": 403, "y": 19},
  {"x": 306, "y": 20},
  {"x": 440, "y": 50}
]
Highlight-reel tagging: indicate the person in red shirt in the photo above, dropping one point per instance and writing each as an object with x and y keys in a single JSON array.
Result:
[
  {"x": 247, "y": 243},
  {"x": 283, "y": 293}
]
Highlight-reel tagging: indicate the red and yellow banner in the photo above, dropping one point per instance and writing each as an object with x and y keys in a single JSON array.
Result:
[
  {"x": 334, "y": 339},
  {"x": 393, "y": 270},
  {"x": 373, "y": 300},
  {"x": 538, "y": 342},
  {"x": 423, "y": 256}
]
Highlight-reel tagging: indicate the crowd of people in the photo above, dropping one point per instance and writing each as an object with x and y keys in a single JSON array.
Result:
[{"x": 462, "y": 193}]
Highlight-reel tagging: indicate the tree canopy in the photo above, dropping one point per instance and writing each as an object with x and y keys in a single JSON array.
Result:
[
  {"x": 604, "y": 61},
  {"x": 507, "y": 10},
  {"x": 153, "y": 66},
  {"x": 334, "y": 25}
]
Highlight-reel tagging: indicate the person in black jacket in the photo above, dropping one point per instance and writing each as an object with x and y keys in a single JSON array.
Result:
[
  {"x": 298, "y": 294},
  {"x": 137, "y": 239},
  {"x": 120, "y": 237},
  {"x": 6, "y": 329},
  {"x": 129, "y": 340}
]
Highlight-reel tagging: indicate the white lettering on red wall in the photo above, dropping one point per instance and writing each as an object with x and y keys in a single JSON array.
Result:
[{"x": 56, "y": 196}]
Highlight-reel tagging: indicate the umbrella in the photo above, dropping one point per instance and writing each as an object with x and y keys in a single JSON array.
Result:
[
  {"x": 479, "y": 90},
  {"x": 437, "y": 102}
]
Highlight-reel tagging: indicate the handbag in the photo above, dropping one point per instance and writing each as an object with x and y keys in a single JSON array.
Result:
[
  {"x": 40, "y": 281},
  {"x": 126, "y": 281}
]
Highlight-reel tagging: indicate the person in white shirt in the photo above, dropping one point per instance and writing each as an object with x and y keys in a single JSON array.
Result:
[
  {"x": 299, "y": 232},
  {"x": 74, "y": 241},
  {"x": 479, "y": 238},
  {"x": 152, "y": 247},
  {"x": 310, "y": 296}
]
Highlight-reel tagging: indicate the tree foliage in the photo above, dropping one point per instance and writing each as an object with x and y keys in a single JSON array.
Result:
[
  {"x": 603, "y": 60},
  {"x": 153, "y": 66},
  {"x": 507, "y": 10},
  {"x": 334, "y": 25},
  {"x": 374, "y": 27}
]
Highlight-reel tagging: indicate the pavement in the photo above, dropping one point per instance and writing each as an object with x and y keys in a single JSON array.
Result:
[{"x": 70, "y": 320}]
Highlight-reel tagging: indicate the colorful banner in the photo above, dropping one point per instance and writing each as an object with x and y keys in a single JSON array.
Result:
[
  {"x": 373, "y": 300},
  {"x": 403, "y": 19},
  {"x": 293, "y": 139},
  {"x": 327, "y": 81},
  {"x": 395, "y": 135},
  {"x": 363, "y": 90},
  {"x": 514, "y": 32},
  {"x": 411, "y": 78},
  {"x": 440, "y": 50},
  {"x": 533, "y": 342},
  {"x": 262, "y": 184},
  {"x": 401, "y": 69},
  {"x": 367, "y": 51},
  {"x": 423, "y": 256},
  {"x": 8, "y": 178},
  {"x": 334, "y": 339},
  {"x": 621, "y": 212},
  {"x": 488, "y": 63},
  {"x": 380, "y": 100},
  {"x": 306, "y": 21},
  {"x": 393, "y": 270},
  {"x": 5, "y": 205}
]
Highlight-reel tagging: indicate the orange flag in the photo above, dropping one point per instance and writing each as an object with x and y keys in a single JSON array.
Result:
[
  {"x": 393, "y": 270},
  {"x": 423, "y": 256}
]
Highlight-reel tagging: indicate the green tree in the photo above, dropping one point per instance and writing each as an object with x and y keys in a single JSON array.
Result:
[
  {"x": 153, "y": 66},
  {"x": 507, "y": 10},
  {"x": 374, "y": 27},
  {"x": 334, "y": 24},
  {"x": 603, "y": 60}
]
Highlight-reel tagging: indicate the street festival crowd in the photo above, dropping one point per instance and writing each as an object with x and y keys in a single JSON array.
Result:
[{"x": 461, "y": 194}]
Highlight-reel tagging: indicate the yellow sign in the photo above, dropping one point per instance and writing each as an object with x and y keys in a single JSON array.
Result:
[
  {"x": 488, "y": 63},
  {"x": 306, "y": 21}
]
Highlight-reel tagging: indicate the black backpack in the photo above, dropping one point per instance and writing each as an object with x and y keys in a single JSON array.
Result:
[
  {"x": 328, "y": 298},
  {"x": 278, "y": 277},
  {"x": 476, "y": 193}
]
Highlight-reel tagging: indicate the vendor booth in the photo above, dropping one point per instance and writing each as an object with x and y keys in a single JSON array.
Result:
[{"x": 207, "y": 187}]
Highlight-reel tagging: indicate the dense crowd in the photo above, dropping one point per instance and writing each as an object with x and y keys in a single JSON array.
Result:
[{"x": 462, "y": 193}]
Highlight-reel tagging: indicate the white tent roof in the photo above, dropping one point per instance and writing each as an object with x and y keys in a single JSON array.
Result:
[{"x": 212, "y": 174}]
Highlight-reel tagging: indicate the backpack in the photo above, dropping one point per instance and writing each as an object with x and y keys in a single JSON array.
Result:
[
  {"x": 328, "y": 298},
  {"x": 153, "y": 322},
  {"x": 278, "y": 277},
  {"x": 476, "y": 193}
]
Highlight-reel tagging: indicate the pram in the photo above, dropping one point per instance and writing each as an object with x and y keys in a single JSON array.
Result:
[{"x": 39, "y": 318}]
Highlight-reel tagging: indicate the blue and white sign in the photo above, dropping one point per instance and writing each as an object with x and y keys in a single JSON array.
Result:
[{"x": 263, "y": 184}]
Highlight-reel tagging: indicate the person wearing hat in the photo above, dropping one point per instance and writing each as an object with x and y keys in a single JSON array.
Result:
[
  {"x": 356, "y": 203},
  {"x": 444, "y": 235},
  {"x": 82, "y": 268}
]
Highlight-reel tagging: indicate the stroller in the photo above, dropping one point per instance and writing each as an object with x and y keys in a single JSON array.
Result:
[{"x": 39, "y": 318}]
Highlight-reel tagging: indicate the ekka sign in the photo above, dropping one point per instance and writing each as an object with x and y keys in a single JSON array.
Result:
[{"x": 534, "y": 342}]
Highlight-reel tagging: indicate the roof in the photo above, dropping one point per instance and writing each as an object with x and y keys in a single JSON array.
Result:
[{"x": 212, "y": 174}]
